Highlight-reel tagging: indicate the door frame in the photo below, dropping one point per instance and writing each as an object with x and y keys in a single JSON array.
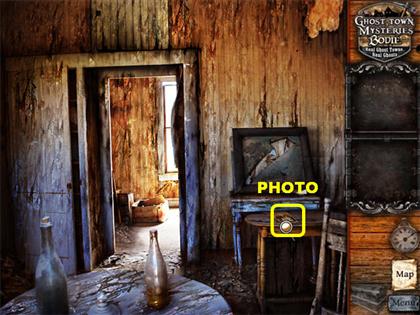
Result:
[
  {"x": 99, "y": 79},
  {"x": 187, "y": 60}
]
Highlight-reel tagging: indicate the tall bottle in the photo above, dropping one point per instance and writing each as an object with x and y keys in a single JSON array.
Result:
[
  {"x": 50, "y": 278},
  {"x": 156, "y": 276}
]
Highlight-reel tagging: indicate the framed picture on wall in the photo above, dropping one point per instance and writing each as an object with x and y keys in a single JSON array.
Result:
[{"x": 271, "y": 155}]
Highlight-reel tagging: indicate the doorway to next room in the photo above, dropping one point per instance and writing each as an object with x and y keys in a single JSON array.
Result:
[{"x": 144, "y": 167}]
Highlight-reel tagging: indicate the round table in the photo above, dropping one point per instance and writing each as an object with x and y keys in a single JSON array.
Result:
[{"x": 125, "y": 288}]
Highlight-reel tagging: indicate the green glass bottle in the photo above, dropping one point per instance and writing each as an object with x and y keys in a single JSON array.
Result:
[{"x": 50, "y": 278}]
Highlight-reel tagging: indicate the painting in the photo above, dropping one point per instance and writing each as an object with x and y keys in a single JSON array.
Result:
[{"x": 271, "y": 155}]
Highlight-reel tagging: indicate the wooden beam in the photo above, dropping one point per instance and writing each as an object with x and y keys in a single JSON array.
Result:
[
  {"x": 99, "y": 60},
  {"x": 106, "y": 165},
  {"x": 192, "y": 168},
  {"x": 83, "y": 167}
]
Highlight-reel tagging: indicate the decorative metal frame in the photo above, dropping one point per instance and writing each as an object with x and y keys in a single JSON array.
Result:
[
  {"x": 372, "y": 206},
  {"x": 397, "y": 67}
]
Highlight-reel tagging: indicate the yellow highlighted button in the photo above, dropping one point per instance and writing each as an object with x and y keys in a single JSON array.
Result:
[{"x": 285, "y": 229}]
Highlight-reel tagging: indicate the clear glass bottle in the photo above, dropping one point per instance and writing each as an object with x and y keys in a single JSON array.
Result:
[
  {"x": 156, "y": 276},
  {"x": 50, "y": 278}
]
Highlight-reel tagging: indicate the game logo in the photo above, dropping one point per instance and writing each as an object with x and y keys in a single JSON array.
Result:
[{"x": 384, "y": 30}]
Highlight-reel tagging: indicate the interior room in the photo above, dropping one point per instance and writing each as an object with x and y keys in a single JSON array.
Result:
[
  {"x": 134, "y": 135},
  {"x": 143, "y": 161}
]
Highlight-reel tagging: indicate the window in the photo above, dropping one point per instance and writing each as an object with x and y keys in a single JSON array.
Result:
[{"x": 169, "y": 96}]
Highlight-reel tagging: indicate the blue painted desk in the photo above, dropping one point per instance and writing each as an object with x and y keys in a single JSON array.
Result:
[{"x": 243, "y": 204}]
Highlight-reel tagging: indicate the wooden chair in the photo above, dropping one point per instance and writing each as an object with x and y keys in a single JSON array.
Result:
[{"x": 333, "y": 238}]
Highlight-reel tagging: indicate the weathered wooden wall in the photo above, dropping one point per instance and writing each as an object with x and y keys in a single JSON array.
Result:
[
  {"x": 371, "y": 251},
  {"x": 39, "y": 160},
  {"x": 257, "y": 69},
  {"x": 134, "y": 128},
  {"x": 45, "y": 27},
  {"x": 353, "y": 54}
]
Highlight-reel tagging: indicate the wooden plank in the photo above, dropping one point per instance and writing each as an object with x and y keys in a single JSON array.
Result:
[
  {"x": 369, "y": 240},
  {"x": 93, "y": 167},
  {"x": 192, "y": 165},
  {"x": 83, "y": 167},
  {"x": 113, "y": 22},
  {"x": 163, "y": 11},
  {"x": 371, "y": 274},
  {"x": 107, "y": 17},
  {"x": 378, "y": 224},
  {"x": 377, "y": 257},
  {"x": 121, "y": 24},
  {"x": 144, "y": 24},
  {"x": 105, "y": 146},
  {"x": 136, "y": 25},
  {"x": 129, "y": 30},
  {"x": 337, "y": 242},
  {"x": 95, "y": 43}
]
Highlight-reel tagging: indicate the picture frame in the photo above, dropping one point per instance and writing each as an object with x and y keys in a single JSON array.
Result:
[{"x": 269, "y": 154}]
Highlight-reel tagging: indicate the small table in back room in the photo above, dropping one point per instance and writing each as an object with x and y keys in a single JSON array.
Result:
[
  {"x": 245, "y": 204},
  {"x": 262, "y": 222}
]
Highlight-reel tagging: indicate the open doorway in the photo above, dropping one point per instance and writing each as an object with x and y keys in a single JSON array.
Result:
[
  {"x": 144, "y": 166},
  {"x": 138, "y": 104},
  {"x": 98, "y": 145}
]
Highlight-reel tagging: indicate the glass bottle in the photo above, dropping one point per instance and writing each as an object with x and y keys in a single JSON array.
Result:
[
  {"x": 50, "y": 278},
  {"x": 156, "y": 276}
]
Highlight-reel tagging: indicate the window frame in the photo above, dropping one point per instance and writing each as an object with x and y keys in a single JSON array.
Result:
[{"x": 171, "y": 81}]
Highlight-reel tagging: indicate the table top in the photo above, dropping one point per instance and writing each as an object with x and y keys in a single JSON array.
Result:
[
  {"x": 313, "y": 219},
  {"x": 125, "y": 288}
]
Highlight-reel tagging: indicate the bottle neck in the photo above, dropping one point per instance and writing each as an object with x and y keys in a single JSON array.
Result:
[
  {"x": 154, "y": 243},
  {"x": 153, "y": 240},
  {"x": 46, "y": 240}
]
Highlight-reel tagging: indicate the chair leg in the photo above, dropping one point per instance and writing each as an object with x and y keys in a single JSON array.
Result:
[
  {"x": 340, "y": 276},
  {"x": 343, "y": 306},
  {"x": 321, "y": 260}
]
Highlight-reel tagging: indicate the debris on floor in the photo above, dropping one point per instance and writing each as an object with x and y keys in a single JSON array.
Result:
[
  {"x": 122, "y": 233},
  {"x": 13, "y": 280}
]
